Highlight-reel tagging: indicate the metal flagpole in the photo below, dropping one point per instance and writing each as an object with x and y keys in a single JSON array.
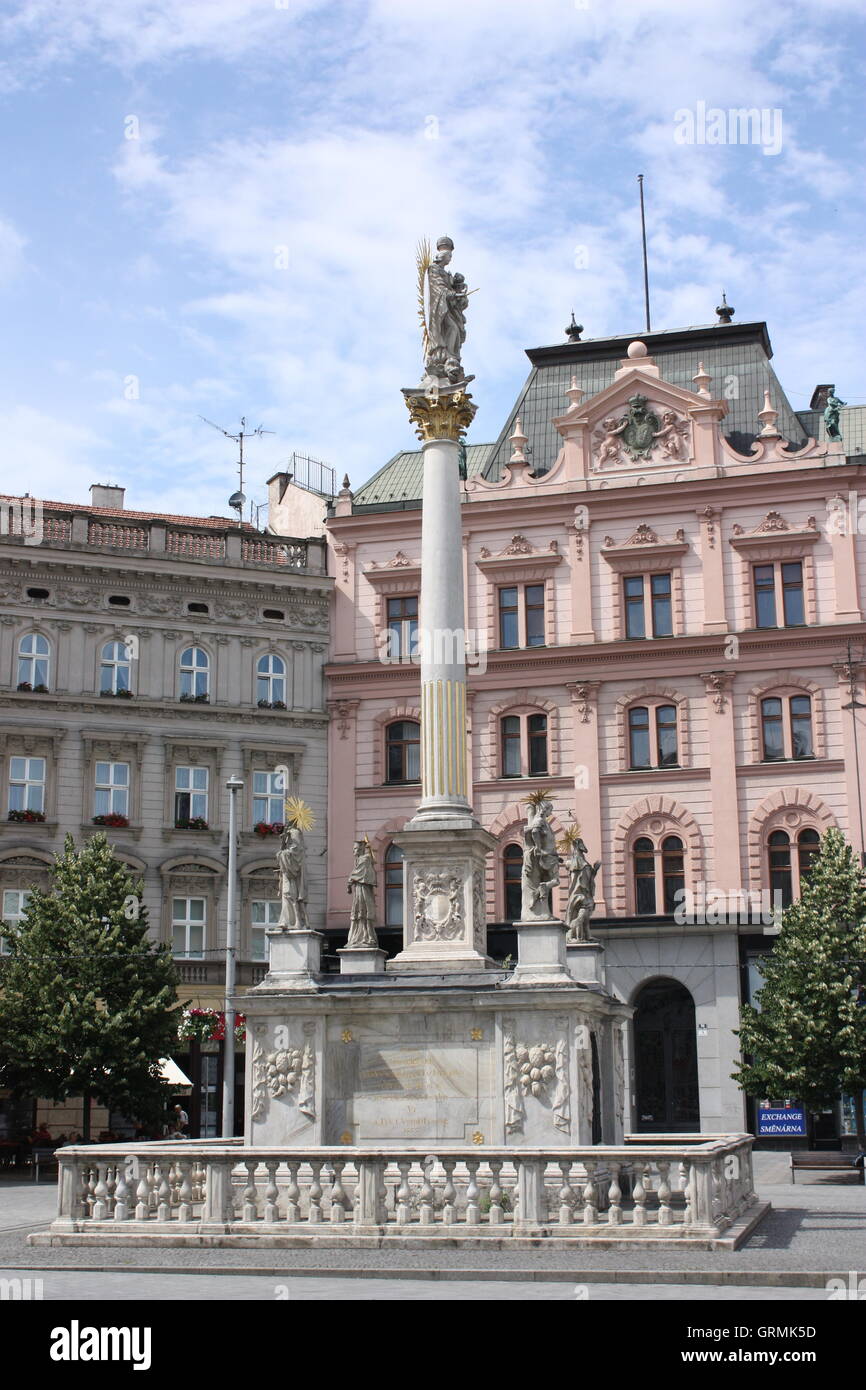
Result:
[{"x": 234, "y": 785}]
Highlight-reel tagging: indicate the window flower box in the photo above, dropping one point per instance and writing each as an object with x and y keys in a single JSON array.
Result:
[
  {"x": 195, "y": 699},
  {"x": 271, "y": 704},
  {"x": 116, "y": 694},
  {"x": 209, "y": 1025},
  {"x": 264, "y": 828},
  {"x": 190, "y": 823},
  {"x": 33, "y": 689},
  {"x": 113, "y": 819},
  {"x": 29, "y": 817}
]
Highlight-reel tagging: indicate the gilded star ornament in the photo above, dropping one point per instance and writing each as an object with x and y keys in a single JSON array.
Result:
[
  {"x": 346, "y": 1035},
  {"x": 477, "y": 1034}
]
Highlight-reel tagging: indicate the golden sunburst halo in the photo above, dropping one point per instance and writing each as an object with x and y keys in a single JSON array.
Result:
[
  {"x": 540, "y": 794},
  {"x": 299, "y": 814},
  {"x": 570, "y": 835}
]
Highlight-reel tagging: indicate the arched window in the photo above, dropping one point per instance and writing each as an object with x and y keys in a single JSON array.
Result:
[
  {"x": 512, "y": 869},
  {"x": 786, "y": 727},
  {"x": 194, "y": 674},
  {"x": 659, "y": 874},
  {"x": 393, "y": 886},
  {"x": 523, "y": 745},
  {"x": 115, "y": 668},
  {"x": 644, "y": 749},
  {"x": 403, "y": 746},
  {"x": 788, "y": 870},
  {"x": 271, "y": 680},
  {"x": 33, "y": 661}
]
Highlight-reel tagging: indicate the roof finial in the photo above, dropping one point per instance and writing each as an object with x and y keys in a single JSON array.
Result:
[
  {"x": 574, "y": 330},
  {"x": 769, "y": 416},
  {"x": 724, "y": 310}
]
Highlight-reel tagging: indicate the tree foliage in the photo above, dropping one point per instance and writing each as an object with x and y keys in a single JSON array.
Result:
[
  {"x": 808, "y": 1039},
  {"x": 88, "y": 1001}
]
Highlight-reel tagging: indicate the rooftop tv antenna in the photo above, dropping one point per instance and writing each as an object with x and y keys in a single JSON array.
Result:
[{"x": 238, "y": 500}]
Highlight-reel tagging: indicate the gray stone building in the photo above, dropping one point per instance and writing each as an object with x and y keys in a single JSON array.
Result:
[{"x": 145, "y": 659}]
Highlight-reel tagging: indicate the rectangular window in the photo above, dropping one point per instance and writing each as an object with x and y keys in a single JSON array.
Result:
[
  {"x": 765, "y": 596},
  {"x": 111, "y": 793},
  {"x": 264, "y": 913},
  {"x": 638, "y": 737},
  {"x": 660, "y": 593},
  {"x": 268, "y": 798},
  {"x": 534, "y": 609},
  {"x": 772, "y": 730},
  {"x": 635, "y": 618},
  {"x": 27, "y": 784},
  {"x": 190, "y": 793},
  {"x": 509, "y": 634},
  {"x": 801, "y": 727},
  {"x": 792, "y": 594},
  {"x": 15, "y": 902},
  {"x": 537, "y": 735},
  {"x": 511, "y": 746},
  {"x": 188, "y": 927},
  {"x": 403, "y": 627},
  {"x": 666, "y": 735}
]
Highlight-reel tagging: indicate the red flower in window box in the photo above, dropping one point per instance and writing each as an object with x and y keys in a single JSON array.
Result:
[
  {"x": 29, "y": 816},
  {"x": 114, "y": 819},
  {"x": 263, "y": 827},
  {"x": 191, "y": 823}
]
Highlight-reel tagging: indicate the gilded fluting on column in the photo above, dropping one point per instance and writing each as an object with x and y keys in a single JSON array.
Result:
[{"x": 443, "y": 738}]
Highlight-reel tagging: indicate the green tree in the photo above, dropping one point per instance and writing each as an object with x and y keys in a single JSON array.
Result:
[
  {"x": 88, "y": 1001},
  {"x": 808, "y": 1040}
]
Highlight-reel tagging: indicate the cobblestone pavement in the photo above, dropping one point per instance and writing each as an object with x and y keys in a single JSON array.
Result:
[{"x": 817, "y": 1228}]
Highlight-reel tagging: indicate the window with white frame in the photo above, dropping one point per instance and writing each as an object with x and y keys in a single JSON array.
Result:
[
  {"x": 194, "y": 674},
  {"x": 268, "y": 798},
  {"x": 264, "y": 913},
  {"x": 27, "y": 784},
  {"x": 523, "y": 745},
  {"x": 786, "y": 728},
  {"x": 34, "y": 660},
  {"x": 190, "y": 793},
  {"x": 15, "y": 902},
  {"x": 188, "y": 927},
  {"x": 111, "y": 790},
  {"x": 270, "y": 680},
  {"x": 115, "y": 669}
]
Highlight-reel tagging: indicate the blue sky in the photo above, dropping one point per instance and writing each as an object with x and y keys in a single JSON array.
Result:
[{"x": 250, "y": 251}]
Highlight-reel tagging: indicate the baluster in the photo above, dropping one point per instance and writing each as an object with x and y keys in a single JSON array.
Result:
[
  {"x": 272, "y": 1192},
  {"x": 174, "y": 1184},
  {"x": 90, "y": 1185},
  {"x": 121, "y": 1195},
  {"x": 251, "y": 1204},
  {"x": 590, "y": 1204},
  {"x": 716, "y": 1171},
  {"x": 665, "y": 1213},
  {"x": 197, "y": 1180},
  {"x": 293, "y": 1192},
  {"x": 163, "y": 1210},
  {"x": 496, "y": 1210},
  {"x": 184, "y": 1210},
  {"x": 449, "y": 1192},
  {"x": 614, "y": 1211},
  {"x": 566, "y": 1194},
  {"x": 339, "y": 1196},
  {"x": 111, "y": 1187},
  {"x": 404, "y": 1194},
  {"x": 639, "y": 1194},
  {"x": 472, "y": 1216},
  {"x": 142, "y": 1192},
  {"x": 79, "y": 1210},
  {"x": 689, "y": 1195},
  {"x": 315, "y": 1213},
  {"x": 100, "y": 1194},
  {"x": 425, "y": 1196}
]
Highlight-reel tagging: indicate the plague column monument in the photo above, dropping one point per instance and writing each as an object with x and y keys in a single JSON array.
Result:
[{"x": 439, "y": 1046}]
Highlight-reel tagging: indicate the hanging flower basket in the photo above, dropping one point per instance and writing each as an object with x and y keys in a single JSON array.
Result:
[
  {"x": 209, "y": 1025},
  {"x": 114, "y": 819},
  {"x": 263, "y": 827}
]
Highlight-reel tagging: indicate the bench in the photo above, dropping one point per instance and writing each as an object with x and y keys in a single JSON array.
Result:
[{"x": 827, "y": 1162}]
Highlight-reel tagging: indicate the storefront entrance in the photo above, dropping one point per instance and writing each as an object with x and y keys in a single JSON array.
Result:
[{"x": 666, "y": 1059}]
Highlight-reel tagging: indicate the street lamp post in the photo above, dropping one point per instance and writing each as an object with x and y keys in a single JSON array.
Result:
[{"x": 234, "y": 785}]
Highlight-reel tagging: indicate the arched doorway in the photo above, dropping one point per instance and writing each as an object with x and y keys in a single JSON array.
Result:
[{"x": 666, "y": 1059}]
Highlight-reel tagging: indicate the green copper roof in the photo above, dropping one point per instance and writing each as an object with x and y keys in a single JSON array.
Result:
[{"x": 398, "y": 484}]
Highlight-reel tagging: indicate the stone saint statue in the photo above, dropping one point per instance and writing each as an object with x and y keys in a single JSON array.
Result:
[
  {"x": 362, "y": 883},
  {"x": 831, "y": 416},
  {"x": 581, "y": 889},
  {"x": 540, "y": 863},
  {"x": 445, "y": 322},
  {"x": 293, "y": 880}
]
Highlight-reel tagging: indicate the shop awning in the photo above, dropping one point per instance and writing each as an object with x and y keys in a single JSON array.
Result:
[{"x": 172, "y": 1074}]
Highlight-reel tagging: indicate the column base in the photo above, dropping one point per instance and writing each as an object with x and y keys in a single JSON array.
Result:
[
  {"x": 443, "y": 905},
  {"x": 362, "y": 960},
  {"x": 585, "y": 962},
  {"x": 295, "y": 958},
  {"x": 541, "y": 953}
]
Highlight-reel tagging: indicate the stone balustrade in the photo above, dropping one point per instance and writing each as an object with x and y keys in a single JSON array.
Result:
[{"x": 212, "y": 1191}]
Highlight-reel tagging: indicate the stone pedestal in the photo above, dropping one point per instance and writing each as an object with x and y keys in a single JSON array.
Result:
[
  {"x": 295, "y": 959},
  {"x": 541, "y": 953},
  {"x": 362, "y": 960},
  {"x": 443, "y": 896},
  {"x": 586, "y": 962}
]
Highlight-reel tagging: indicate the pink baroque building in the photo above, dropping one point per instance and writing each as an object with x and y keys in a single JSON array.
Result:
[{"x": 663, "y": 574}]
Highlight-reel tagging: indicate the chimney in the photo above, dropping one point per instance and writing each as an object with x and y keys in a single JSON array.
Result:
[{"x": 107, "y": 495}]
